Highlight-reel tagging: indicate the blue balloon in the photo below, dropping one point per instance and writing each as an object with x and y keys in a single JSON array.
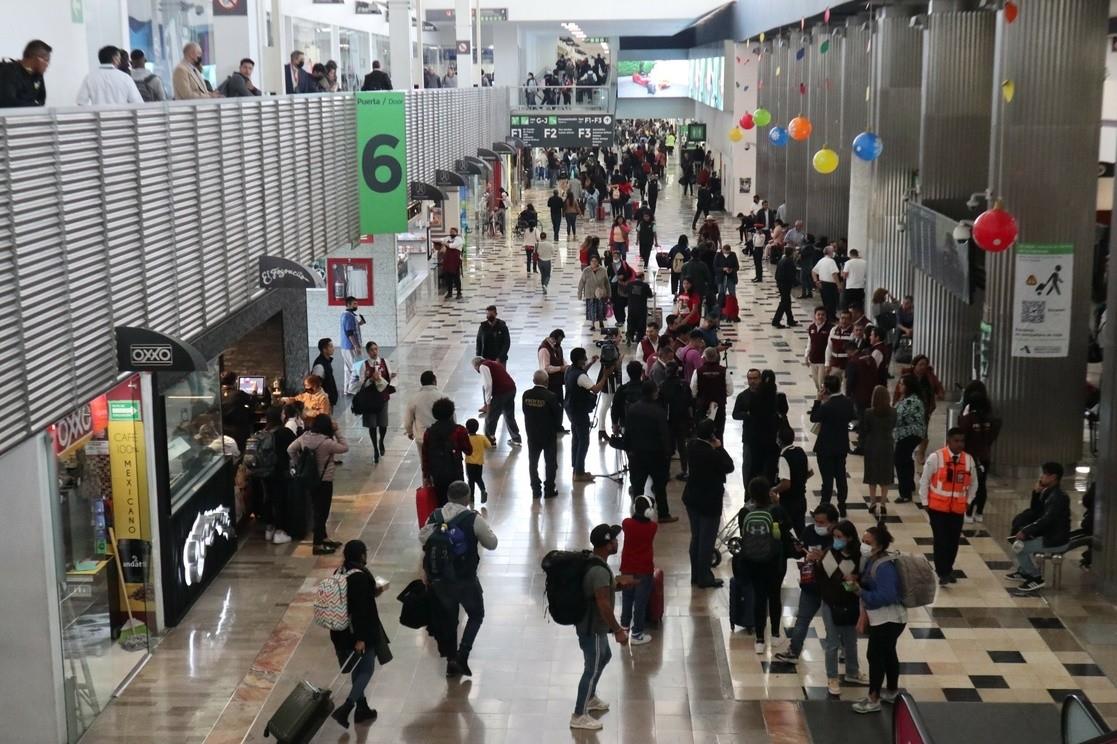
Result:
[
  {"x": 868, "y": 146},
  {"x": 777, "y": 136}
]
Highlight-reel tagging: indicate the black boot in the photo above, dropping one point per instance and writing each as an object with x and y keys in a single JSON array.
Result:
[
  {"x": 452, "y": 668},
  {"x": 364, "y": 713},
  {"x": 463, "y": 663},
  {"x": 341, "y": 715}
]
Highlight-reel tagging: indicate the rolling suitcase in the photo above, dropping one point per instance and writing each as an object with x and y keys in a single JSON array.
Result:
[
  {"x": 303, "y": 712},
  {"x": 426, "y": 501},
  {"x": 742, "y": 605},
  {"x": 655, "y": 601},
  {"x": 731, "y": 310}
]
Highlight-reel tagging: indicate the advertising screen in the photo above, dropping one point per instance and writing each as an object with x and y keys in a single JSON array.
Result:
[
  {"x": 707, "y": 80},
  {"x": 662, "y": 78}
]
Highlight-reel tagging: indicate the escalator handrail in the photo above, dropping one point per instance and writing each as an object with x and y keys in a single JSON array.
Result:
[
  {"x": 1077, "y": 699},
  {"x": 905, "y": 699}
]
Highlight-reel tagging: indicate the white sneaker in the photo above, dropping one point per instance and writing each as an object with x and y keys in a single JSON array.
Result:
[
  {"x": 587, "y": 722},
  {"x": 269, "y": 533},
  {"x": 281, "y": 538},
  {"x": 889, "y": 696},
  {"x": 834, "y": 687},
  {"x": 860, "y": 679},
  {"x": 759, "y": 647},
  {"x": 597, "y": 705},
  {"x": 969, "y": 519},
  {"x": 979, "y": 517},
  {"x": 640, "y": 640}
]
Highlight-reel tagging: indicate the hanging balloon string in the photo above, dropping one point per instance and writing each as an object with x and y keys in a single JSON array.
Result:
[{"x": 823, "y": 73}]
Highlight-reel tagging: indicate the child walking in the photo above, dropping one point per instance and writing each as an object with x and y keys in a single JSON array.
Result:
[
  {"x": 638, "y": 561},
  {"x": 475, "y": 462}
]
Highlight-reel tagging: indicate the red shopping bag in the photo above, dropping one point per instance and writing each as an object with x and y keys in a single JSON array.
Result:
[{"x": 426, "y": 501}]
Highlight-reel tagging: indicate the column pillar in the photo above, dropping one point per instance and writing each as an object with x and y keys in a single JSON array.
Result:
[
  {"x": 399, "y": 44},
  {"x": 856, "y": 118},
  {"x": 508, "y": 66},
  {"x": 1105, "y": 505},
  {"x": 234, "y": 38},
  {"x": 953, "y": 163},
  {"x": 469, "y": 72},
  {"x": 895, "y": 93},
  {"x": 1047, "y": 135}
]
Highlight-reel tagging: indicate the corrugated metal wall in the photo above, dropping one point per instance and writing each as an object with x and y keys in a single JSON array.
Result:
[
  {"x": 1045, "y": 145},
  {"x": 827, "y": 210},
  {"x": 796, "y": 73},
  {"x": 897, "y": 78},
  {"x": 154, "y": 215},
  {"x": 764, "y": 100},
  {"x": 956, "y": 118},
  {"x": 778, "y": 163}
]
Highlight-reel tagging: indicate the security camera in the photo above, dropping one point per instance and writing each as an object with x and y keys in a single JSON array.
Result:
[
  {"x": 199, "y": 9},
  {"x": 962, "y": 231},
  {"x": 973, "y": 201}
]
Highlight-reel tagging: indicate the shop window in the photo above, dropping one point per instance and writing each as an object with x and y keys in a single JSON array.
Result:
[
  {"x": 196, "y": 448},
  {"x": 103, "y": 534}
]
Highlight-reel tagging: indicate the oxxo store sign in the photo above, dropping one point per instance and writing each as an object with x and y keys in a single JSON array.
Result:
[{"x": 73, "y": 431}]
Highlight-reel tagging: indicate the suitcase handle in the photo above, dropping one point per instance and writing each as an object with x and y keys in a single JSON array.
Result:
[{"x": 339, "y": 671}]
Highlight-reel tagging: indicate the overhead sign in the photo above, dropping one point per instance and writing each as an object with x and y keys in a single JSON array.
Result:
[
  {"x": 488, "y": 15},
  {"x": 230, "y": 7},
  {"x": 276, "y": 272},
  {"x": 463, "y": 47},
  {"x": 426, "y": 192},
  {"x": 696, "y": 132},
  {"x": 563, "y": 130},
  {"x": 72, "y": 431},
  {"x": 1041, "y": 299},
  {"x": 448, "y": 179},
  {"x": 382, "y": 162},
  {"x": 366, "y": 8},
  {"x": 935, "y": 251},
  {"x": 144, "y": 350},
  {"x": 487, "y": 154}
]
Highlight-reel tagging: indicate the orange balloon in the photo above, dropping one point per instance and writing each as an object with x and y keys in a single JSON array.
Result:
[{"x": 799, "y": 128}]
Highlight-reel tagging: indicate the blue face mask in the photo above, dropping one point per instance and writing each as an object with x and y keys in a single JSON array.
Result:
[{"x": 839, "y": 543}]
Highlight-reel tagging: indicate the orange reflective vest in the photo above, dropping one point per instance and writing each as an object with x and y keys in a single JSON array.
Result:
[{"x": 950, "y": 484}]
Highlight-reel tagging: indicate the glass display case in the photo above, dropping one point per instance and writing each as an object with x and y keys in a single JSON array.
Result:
[{"x": 195, "y": 446}]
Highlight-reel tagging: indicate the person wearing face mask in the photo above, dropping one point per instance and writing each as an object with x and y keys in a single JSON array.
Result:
[
  {"x": 765, "y": 568},
  {"x": 840, "y": 608},
  {"x": 314, "y": 400},
  {"x": 361, "y": 643},
  {"x": 186, "y": 81},
  {"x": 883, "y": 616},
  {"x": 815, "y": 540},
  {"x": 725, "y": 271},
  {"x": 374, "y": 414},
  {"x": 295, "y": 80}
]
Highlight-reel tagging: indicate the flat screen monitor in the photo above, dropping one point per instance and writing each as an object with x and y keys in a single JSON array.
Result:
[{"x": 252, "y": 385}]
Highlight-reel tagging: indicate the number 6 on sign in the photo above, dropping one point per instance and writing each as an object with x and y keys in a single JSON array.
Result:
[{"x": 381, "y": 162}]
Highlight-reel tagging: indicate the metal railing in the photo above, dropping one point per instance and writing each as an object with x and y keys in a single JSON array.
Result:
[
  {"x": 561, "y": 97},
  {"x": 154, "y": 215}
]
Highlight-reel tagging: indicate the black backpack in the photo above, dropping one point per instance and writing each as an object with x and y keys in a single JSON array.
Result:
[
  {"x": 440, "y": 453},
  {"x": 306, "y": 472},
  {"x": 259, "y": 454},
  {"x": 760, "y": 536},
  {"x": 565, "y": 570},
  {"x": 447, "y": 549},
  {"x": 144, "y": 87}
]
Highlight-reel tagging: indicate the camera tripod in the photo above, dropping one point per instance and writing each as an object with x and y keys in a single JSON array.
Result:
[{"x": 617, "y": 476}]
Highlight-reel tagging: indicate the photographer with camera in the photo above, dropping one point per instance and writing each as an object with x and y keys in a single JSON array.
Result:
[
  {"x": 611, "y": 361},
  {"x": 581, "y": 396}
]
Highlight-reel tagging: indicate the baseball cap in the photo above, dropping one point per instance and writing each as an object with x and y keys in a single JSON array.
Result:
[{"x": 603, "y": 534}]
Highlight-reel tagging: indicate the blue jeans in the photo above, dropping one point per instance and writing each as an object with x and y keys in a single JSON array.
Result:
[
  {"x": 544, "y": 273},
  {"x": 842, "y": 637},
  {"x": 362, "y": 675},
  {"x": 579, "y": 440},
  {"x": 809, "y": 602},
  {"x": 1025, "y": 561},
  {"x": 635, "y": 598},
  {"x": 727, "y": 285},
  {"x": 591, "y": 207},
  {"x": 596, "y": 653}
]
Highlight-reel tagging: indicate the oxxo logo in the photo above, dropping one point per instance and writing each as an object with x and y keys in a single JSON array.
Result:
[{"x": 151, "y": 355}]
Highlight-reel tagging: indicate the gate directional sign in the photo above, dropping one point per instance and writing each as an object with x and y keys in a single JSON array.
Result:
[{"x": 563, "y": 130}]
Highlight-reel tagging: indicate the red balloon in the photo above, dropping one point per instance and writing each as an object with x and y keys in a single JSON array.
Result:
[
  {"x": 995, "y": 230},
  {"x": 747, "y": 122},
  {"x": 1011, "y": 11}
]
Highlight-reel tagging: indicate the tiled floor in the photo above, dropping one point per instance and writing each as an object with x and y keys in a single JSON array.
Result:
[{"x": 223, "y": 671}]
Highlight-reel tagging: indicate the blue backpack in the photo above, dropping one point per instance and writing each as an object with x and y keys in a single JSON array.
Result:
[{"x": 447, "y": 550}]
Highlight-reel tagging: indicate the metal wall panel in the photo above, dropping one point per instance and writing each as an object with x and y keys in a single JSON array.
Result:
[
  {"x": 897, "y": 79},
  {"x": 763, "y": 100},
  {"x": 154, "y": 215},
  {"x": 778, "y": 161},
  {"x": 827, "y": 203},
  {"x": 954, "y": 146},
  {"x": 1047, "y": 136},
  {"x": 797, "y": 73}
]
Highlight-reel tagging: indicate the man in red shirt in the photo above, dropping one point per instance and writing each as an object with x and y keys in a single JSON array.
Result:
[
  {"x": 840, "y": 335},
  {"x": 818, "y": 337},
  {"x": 500, "y": 399}
]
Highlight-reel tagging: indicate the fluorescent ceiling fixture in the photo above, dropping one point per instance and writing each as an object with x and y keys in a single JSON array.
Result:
[{"x": 1082, "y": 469}]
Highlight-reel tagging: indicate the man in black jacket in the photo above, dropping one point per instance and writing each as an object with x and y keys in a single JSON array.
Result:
[
  {"x": 21, "y": 81},
  {"x": 324, "y": 367},
  {"x": 702, "y": 206},
  {"x": 833, "y": 412},
  {"x": 555, "y": 205},
  {"x": 703, "y": 499},
  {"x": 627, "y": 394},
  {"x": 543, "y": 422},
  {"x": 377, "y": 79},
  {"x": 752, "y": 459},
  {"x": 493, "y": 339},
  {"x": 648, "y": 444},
  {"x": 786, "y": 274},
  {"x": 1046, "y": 528}
]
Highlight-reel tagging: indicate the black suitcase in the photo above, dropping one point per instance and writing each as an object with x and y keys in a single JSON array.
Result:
[
  {"x": 742, "y": 605},
  {"x": 303, "y": 712},
  {"x": 717, "y": 203}
]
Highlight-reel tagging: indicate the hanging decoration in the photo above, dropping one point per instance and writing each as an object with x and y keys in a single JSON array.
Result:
[
  {"x": 747, "y": 121},
  {"x": 826, "y": 16},
  {"x": 735, "y": 134},
  {"x": 1011, "y": 11},
  {"x": 868, "y": 146},
  {"x": 761, "y": 37},
  {"x": 995, "y": 230},
  {"x": 799, "y": 128},
  {"x": 825, "y": 161},
  {"x": 777, "y": 136},
  {"x": 802, "y": 89},
  {"x": 824, "y": 47},
  {"x": 803, "y": 23},
  {"x": 762, "y": 117},
  {"x": 778, "y": 71},
  {"x": 1008, "y": 90},
  {"x": 800, "y": 54}
]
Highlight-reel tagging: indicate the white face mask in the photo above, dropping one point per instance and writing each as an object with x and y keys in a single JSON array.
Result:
[
  {"x": 821, "y": 531},
  {"x": 866, "y": 549}
]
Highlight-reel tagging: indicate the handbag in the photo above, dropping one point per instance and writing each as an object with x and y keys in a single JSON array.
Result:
[
  {"x": 903, "y": 353},
  {"x": 863, "y": 621},
  {"x": 383, "y": 650},
  {"x": 416, "y": 610}
]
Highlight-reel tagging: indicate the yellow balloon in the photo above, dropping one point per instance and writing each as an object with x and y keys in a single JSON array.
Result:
[
  {"x": 825, "y": 161},
  {"x": 735, "y": 134}
]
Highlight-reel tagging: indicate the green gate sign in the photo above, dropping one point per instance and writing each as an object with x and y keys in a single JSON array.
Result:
[{"x": 382, "y": 162}]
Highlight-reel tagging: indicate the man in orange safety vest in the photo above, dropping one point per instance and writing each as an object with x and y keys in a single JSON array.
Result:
[{"x": 948, "y": 484}]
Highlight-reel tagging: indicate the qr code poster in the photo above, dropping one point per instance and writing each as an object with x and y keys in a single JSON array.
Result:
[{"x": 1042, "y": 293}]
